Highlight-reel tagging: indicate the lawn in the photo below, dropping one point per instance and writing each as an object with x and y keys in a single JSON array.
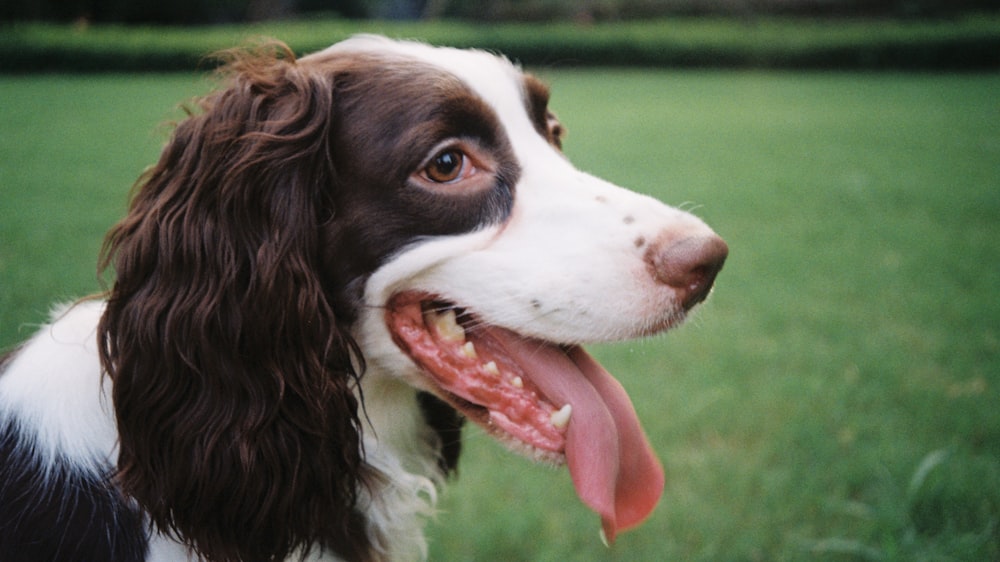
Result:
[{"x": 838, "y": 398}]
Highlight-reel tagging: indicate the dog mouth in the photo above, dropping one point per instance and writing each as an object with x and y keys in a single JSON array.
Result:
[{"x": 549, "y": 401}]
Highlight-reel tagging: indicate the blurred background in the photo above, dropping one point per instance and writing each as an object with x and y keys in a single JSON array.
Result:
[
  {"x": 837, "y": 398},
  {"x": 228, "y": 11}
]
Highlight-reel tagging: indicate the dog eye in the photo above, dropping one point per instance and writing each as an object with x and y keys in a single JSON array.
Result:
[{"x": 446, "y": 167}]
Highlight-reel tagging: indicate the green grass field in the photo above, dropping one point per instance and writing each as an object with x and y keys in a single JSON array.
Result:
[{"x": 838, "y": 398}]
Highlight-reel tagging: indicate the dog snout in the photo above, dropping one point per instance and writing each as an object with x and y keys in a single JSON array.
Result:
[{"x": 689, "y": 266}]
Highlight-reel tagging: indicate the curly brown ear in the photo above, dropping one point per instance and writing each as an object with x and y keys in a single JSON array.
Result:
[{"x": 233, "y": 380}]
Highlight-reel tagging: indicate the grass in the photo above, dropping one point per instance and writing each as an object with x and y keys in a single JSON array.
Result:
[
  {"x": 837, "y": 397},
  {"x": 69, "y": 150}
]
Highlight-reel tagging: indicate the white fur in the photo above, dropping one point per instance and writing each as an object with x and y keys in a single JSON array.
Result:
[{"x": 54, "y": 386}]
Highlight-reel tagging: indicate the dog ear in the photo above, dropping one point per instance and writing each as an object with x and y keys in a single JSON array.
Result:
[{"x": 234, "y": 378}]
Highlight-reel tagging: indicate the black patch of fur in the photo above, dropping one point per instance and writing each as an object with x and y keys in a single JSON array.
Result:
[
  {"x": 61, "y": 512},
  {"x": 447, "y": 423}
]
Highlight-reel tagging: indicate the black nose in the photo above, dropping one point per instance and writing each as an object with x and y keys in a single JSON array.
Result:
[{"x": 689, "y": 266}]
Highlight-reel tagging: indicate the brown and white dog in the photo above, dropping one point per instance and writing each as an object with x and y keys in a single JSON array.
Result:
[{"x": 335, "y": 262}]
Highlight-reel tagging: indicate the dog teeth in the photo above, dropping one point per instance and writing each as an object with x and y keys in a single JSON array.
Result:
[
  {"x": 469, "y": 350},
  {"x": 491, "y": 368},
  {"x": 517, "y": 382},
  {"x": 447, "y": 325},
  {"x": 560, "y": 419}
]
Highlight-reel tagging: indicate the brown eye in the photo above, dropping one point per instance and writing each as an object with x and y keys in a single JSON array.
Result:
[{"x": 446, "y": 167}]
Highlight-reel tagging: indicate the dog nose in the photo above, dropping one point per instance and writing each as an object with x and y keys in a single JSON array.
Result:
[{"x": 688, "y": 265}]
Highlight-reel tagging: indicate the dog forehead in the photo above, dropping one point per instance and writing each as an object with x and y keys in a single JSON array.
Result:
[{"x": 493, "y": 78}]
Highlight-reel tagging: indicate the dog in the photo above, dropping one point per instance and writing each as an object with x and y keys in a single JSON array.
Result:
[{"x": 337, "y": 261}]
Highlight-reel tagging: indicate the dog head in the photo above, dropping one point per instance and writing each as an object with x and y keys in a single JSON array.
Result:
[
  {"x": 490, "y": 318},
  {"x": 393, "y": 206}
]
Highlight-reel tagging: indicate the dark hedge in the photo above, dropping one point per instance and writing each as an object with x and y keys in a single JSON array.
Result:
[{"x": 969, "y": 43}]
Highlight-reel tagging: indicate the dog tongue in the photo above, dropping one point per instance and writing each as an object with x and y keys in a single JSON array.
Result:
[{"x": 612, "y": 465}]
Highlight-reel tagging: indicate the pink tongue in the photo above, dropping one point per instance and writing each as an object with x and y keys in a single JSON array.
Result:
[{"x": 612, "y": 465}]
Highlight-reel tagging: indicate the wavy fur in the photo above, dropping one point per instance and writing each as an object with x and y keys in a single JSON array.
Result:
[{"x": 233, "y": 374}]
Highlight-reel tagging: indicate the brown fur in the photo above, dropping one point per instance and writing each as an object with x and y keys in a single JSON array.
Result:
[
  {"x": 233, "y": 373},
  {"x": 537, "y": 104}
]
